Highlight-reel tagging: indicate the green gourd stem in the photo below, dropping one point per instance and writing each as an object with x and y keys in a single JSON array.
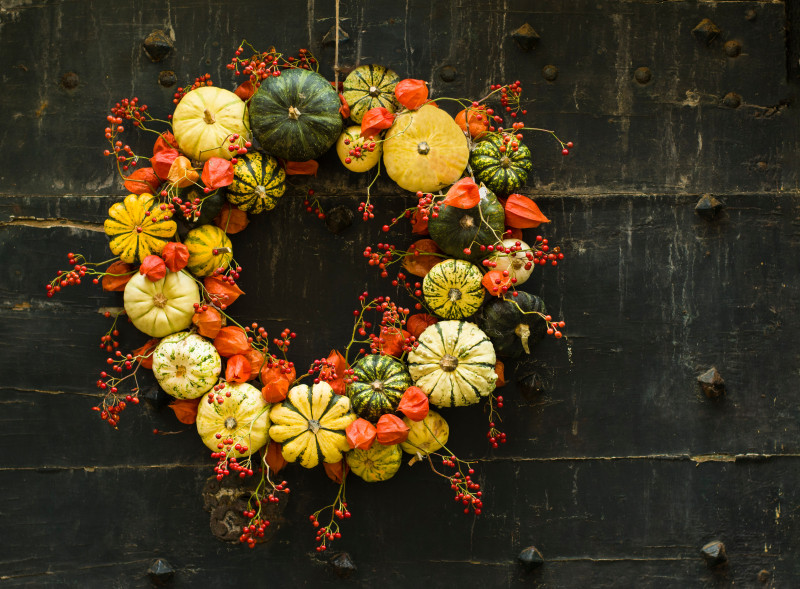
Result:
[{"x": 523, "y": 332}]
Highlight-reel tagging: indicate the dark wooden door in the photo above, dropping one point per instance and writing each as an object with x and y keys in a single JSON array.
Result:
[{"x": 619, "y": 471}]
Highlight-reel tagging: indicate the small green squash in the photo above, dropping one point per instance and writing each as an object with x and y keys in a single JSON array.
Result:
[
  {"x": 379, "y": 463},
  {"x": 369, "y": 86},
  {"x": 514, "y": 324},
  {"x": 209, "y": 249},
  {"x": 501, "y": 172},
  {"x": 258, "y": 183},
  {"x": 452, "y": 289},
  {"x": 379, "y": 385}
]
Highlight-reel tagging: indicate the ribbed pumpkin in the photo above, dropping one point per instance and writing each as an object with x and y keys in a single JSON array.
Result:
[
  {"x": 258, "y": 183},
  {"x": 311, "y": 424},
  {"x": 452, "y": 289},
  {"x": 426, "y": 436},
  {"x": 515, "y": 262},
  {"x": 379, "y": 463},
  {"x": 202, "y": 243},
  {"x": 379, "y": 385},
  {"x": 455, "y": 230},
  {"x": 162, "y": 307},
  {"x": 295, "y": 116},
  {"x": 137, "y": 228},
  {"x": 186, "y": 365},
  {"x": 369, "y": 86},
  {"x": 501, "y": 172},
  {"x": 515, "y": 324},
  {"x": 453, "y": 363},
  {"x": 243, "y": 417},
  {"x": 349, "y": 141},
  {"x": 425, "y": 150},
  {"x": 205, "y": 120}
]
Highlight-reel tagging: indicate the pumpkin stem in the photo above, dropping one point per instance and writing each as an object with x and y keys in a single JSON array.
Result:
[
  {"x": 231, "y": 423},
  {"x": 373, "y": 91},
  {"x": 505, "y": 162},
  {"x": 221, "y": 250},
  {"x": 314, "y": 426},
  {"x": 208, "y": 117},
  {"x": 376, "y": 385},
  {"x": 454, "y": 295},
  {"x": 159, "y": 300},
  {"x": 523, "y": 332},
  {"x": 423, "y": 148},
  {"x": 467, "y": 222},
  {"x": 294, "y": 114},
  {"x": 448, "y": 363}
]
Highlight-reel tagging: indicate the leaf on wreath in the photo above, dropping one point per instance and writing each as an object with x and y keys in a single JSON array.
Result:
[{"x": 185, "y": 410}]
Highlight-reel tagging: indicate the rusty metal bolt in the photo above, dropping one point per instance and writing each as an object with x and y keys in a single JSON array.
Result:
[
  {"x": 339, "y": 218},
  {"x": 732, "y": 48},
  {"x": 763, "y": 576},
  {"x": 526, "y": 37},
  {"x": 330, "y": 37},
  {"x": 530, "y": 558},
  {"x": 750, "y": 14},
  {"x": 708, "y": 207},
  {"x": 550, "y": 73},
  {"x": 161, "y": 572},
  {"x": 69, "y": 81},
  {"x": 448, "y": 73},
  {"x": 712, "y": 384},
  {"x": 706, "y": 31},
  {"x": 643, "y": 75},
  {"x": 343, "y": 565},
  {"x": 158, "y": 45},
  {"x": 714, "y": 554},
  {"x": 167, "y": 78},
  {"x": 732, "y": 100}
]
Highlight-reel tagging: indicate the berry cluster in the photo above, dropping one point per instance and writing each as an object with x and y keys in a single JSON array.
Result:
[
  {"x": 261, "y": 65},
  {"x": 70, "y": 277},
  {"x": 114, "y": 402},
  {"x": 330, "y": 531},
  {"x": 358, "y": 151},
  {"x": 204, "y": 80},
  {"x": 313, "y": 206}
]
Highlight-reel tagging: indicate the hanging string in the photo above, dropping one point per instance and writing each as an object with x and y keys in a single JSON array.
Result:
[{"x": 336, "y": 50}]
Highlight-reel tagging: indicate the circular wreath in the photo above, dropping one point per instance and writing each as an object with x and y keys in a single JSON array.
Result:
[{"x": 223, "y": 154}]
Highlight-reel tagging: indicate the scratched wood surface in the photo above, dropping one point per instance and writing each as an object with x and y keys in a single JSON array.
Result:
[{"x": 618, "y": 472}]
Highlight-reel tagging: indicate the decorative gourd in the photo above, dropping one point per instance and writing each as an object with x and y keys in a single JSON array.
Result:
[
  {"x": 425, "y": 150},
  {"x": 515, "y": 262},
  {"x": 242, "y": 417},
  {"x": 186, "y": 365},
  {"x": 295, "y": 116},
  {"x": 212, "y": 205},
  {"x": 137, "y": 228},
  {"x": 453, "y": 363},
  {"x": 311, "y": 424},
  {"x": 379, "y": 385},
  {"x": 455, "y": 230},
  {"x": 209, "y": 249},
  {"x": 426, "y": 436},
  {"x": 351, "y": 140},
  {"x": 452, "y": 289},
  {"x": 515, "y": 324},
  {"x": 258, "y": 183},
  {"x": 501, "y": 172},
  {"x": 206, "y": 119},
  {"x": 162, "y": 307},
  {"x": 369, "y": 86},
  {"x": 379, "y": 463}
]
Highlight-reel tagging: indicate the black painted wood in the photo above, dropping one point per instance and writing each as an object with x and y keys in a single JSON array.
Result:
[{"x": 619, "y": 472}]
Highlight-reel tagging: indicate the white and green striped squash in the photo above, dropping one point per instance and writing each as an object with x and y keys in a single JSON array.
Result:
[
  {"x": 258, "y": 183},
  {"x": 242, "y": 417},
  {"x": 453, "y": 290},
  {"x": 369, "y": 86},
  {"x": 310, "y": 424},
  {"x": 378, "y": 463},
  {"x": 186, "y": 365},
  {"x": 209, "y": 249},
  {"x": 453, "y": 363}
]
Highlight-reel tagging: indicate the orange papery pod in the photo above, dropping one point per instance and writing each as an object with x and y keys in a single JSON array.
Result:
[
  {"x": 237, "y": 369},
  {"x": 153, "y": 268},
  {"x": 256, "y": 360},
  {"x": 276, "y": 382},
  {"x": 231, "y": 220},
  {"x": 393, "y": 341},
  {"x": 230, "y": 341},
  {"x": 496, "y": 283},
  {"x": 375, "y": 120},
  {"x": 217, "y": 172},
  {"x": 477, "y": 121},
  {"x": 165, "y": 141},
  {"x": 117, "y": 276},
  {"x": 274, "y": 458},
  {"x": 419, "y": 264},
  {"x": 336, "y": 471},
  {"x": 147, "y": 351},
  {"x": 419, "y": 223},
  {"x": 142, "y": 180},
  {"x": 464, "y": 194},
  {"x": 344, "y": 109},
  {"x": 500, "y": 370},
  {"x": 411, "y": 93},
  {"x": 185, "y": 410},
  {"x": 419, "y": 322},
  {"x": 360, "y": 434},
  {"x": 308, "y": 168},
  {"x": 339, "y": 366},
  {"x": 245, "y": 90},
  {"x": 391, "y": 430},
  {"x": 162, "y": 161},
  {"x": 221, "y": 291},
  {"x": 522, "y": 212},
  {"x": 208, "y": 322},
  {"x": 414, "y": 404},
  {"x": 181, "y": 173},
  {"x": 176, "y": 256}
]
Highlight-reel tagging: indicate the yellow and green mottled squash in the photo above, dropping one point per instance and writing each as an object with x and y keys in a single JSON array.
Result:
[
  {"x": 138, "y": 227},
  {"x": 209, "y": 249},
  {"x": 427, "y": 435},
  {"x": 242, "y": 417},
  {"x": 369, "y": 86},
  {"x": 453, "y": 363},
  {"x": 162, "y": 307},
  {"x": 453, "y": 290},
  {"x": 310, "y": 424},
  {"x": 378, "y": 463},
  {"x": 258, "y": 183},
  {"x": 378, "y": 385},
  {"x": 186, "y": 365}
]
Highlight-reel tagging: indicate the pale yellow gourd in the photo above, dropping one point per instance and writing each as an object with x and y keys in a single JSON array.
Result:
[
  {"x": 162, "y": 307},
  {"x": 206, "y": 119},
  {"x": 242, "y": 417}
]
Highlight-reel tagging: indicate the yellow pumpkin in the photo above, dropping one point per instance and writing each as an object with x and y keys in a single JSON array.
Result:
[
  {"x": 427, "y": 435},
  {"x": 209, "y": 249},
  {"x": 351, "y": 140},
  {"x": 243, "y": 417},
  {"x": 378, "y": 463},
  {"x": 162, "y": 307},
  {"x": 138, "y": 227},
  {"x": 204, "y": 121},
  {"x": 425, "y": 150}
]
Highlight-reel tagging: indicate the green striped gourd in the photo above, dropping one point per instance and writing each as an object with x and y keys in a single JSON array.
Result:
[
  {"x": 258, "y": 183},
  {"x": 369, "y": 86},
  {"x": 453, "y": 290},
  {"x": 209, "y": 249},
  {"x": 502, "y": 172},
  {"x": 379, "y": 385}
]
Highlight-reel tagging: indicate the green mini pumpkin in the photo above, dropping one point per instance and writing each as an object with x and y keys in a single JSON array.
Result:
[
  {"x": 258, "y": 183},
  {"x": 515, "y": 324},
  {"x": 378, "y": 463},
  {"x": 453, "y": 289},
  {"x": 379, "y": 385},
  {"x": 501, "y": 172},
  {"x": 369, "y": 86}
]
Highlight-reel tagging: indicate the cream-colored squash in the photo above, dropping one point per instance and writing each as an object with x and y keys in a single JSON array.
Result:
[
  {"x": 186, "y": 365},
  {"x": 204, "y": 121},
  {"x": 351, "y": 140},
  {"x": 242, "y": 417},
  {"x": 162, "y": 307},
  {"x": 514, "y": 262}
]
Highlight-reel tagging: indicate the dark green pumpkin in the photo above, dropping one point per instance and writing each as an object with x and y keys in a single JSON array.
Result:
[
  {"x": 456, "y": 229},
  {"x": 502, "y": 172},
  {"x": 295, "y": 116},
  {"x": 514, "y": 324},
  {"x": 212, "y": 205},
  {"x": 381, "y": 382}
]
